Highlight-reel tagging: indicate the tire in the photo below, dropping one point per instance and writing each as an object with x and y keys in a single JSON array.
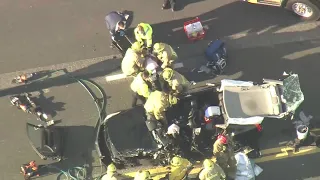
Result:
[{"x": 312, "y": 4}]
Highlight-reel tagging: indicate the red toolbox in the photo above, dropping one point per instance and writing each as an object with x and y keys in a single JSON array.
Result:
[{"x": 194, "y": 29}]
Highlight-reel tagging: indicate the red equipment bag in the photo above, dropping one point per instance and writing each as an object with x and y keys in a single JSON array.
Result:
[{"x": 194, "y": 29}]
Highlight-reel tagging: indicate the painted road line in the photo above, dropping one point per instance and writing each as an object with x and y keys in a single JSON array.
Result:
[
  {"x": 160, "y": 172},
  {"x": 123, "y": 76},
  {"x": 286, "y": 152},
  {"x": 267, "y": 155},
  {"x": 116, "y": 77}
]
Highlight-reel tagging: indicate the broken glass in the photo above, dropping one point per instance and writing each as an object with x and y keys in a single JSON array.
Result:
[{"x": 292, "y": 92}]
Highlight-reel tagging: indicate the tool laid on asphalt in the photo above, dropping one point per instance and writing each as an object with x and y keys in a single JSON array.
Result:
[
  {"x": 26, "y": 104},
  {"x": 29, "y": 170},
  {"x": 23, "y": 78}
]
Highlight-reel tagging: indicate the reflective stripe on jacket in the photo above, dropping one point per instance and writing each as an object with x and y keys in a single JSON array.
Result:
[
  {"x": 146, "y": 36},
  {"x": 139, "y": 86},
  {"x": 157, "y": 103}
]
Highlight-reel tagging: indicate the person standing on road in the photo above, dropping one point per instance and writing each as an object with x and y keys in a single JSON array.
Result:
[
  {"x": 132, "y": 62},
  {"x": 169, "y": 4},
  {"x": 211, "y": 171},
  {"x": 157, "y": 104},
  {"x": 143, "y": 34},
  {"x": 177, "y": 82},
  {"x": 165, "y": 53},
  {"x": 141, "y": 88},
  {"x": 225, "y": 156},
  {"x": 116, "y": 23},
  {"x": 179, "y": 168},
  {"x": 143, "y": 175}
]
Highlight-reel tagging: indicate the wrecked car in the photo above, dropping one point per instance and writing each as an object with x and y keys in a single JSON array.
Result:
[{"x": 126, "y": 136}]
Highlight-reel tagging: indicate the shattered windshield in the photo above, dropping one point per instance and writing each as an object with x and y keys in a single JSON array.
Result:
[{"x": 292, "y": 92}]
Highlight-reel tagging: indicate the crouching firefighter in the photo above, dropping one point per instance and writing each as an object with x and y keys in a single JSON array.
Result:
[
  {"x": 165, "y": 53},
  {"x": 157, "y": 104},
  {"x": 225, "y": 156},
  {"x": 132, "y": 62},
  {"x": 143, "y": 34},
  {"x": 140, "y": 87},
  {"x": 179, "y": 168},
  {"x": 177, "y": 83},
  {"x": 211, "y": 171}
]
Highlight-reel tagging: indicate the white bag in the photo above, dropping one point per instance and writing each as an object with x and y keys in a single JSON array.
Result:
[
  {"x": 246, "y": 169},
  {"x": 257, "y": 170}
]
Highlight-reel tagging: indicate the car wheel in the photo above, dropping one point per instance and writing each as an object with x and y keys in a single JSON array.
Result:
[{"x": 307, "y": 10}]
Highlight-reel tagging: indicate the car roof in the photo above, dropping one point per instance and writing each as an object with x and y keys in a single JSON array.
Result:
[{"x": 245, "y": 102}]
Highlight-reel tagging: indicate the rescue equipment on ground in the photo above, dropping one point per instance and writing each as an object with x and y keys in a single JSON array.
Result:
[
  {"x": 22, "y": 78},
  {"x": 216, "y": 54},
  {"x": 194, "y": 29},
  {"x": 29, "y": 170}
]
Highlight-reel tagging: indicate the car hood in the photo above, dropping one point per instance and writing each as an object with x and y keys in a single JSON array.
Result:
[{"x": 126, "y": 134}]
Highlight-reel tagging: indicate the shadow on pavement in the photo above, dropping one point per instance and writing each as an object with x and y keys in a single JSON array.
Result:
[
  {"x": 130, "y": 19},
  {"x": 78, "y": 151},
  {"x": 224, "y": 21},
  {"x": 181, "y": 4},
  {"x": 64, "y": 78},
  {"x": 233, "y": 18},
  {"x": 50, "y": 107}
]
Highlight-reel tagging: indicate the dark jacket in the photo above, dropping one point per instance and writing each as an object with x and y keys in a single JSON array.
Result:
[{"x": 112, "y": 20}]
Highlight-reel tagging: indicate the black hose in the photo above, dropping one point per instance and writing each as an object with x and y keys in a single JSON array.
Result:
[{"x": 100, "y": 105}]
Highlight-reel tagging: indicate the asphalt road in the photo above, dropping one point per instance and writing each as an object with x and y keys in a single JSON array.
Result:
[
  {"x": 75, "y": 107},
  {"x": 40, "y": 33},
  {"x": 263, "y": 43}
]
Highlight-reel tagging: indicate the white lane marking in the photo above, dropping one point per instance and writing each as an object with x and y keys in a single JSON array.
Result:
[
  {"x": 123, "y": 76},
  {"x": 116, "y": 77},
  {"x": 178, "y": 65}
]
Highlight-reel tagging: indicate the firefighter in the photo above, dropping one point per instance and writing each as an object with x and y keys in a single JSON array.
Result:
[
  {"x": 179, "y": 168},
  {"x": 156, "y": 105},
  {"x": 143, "y": 33},
  {"x": 143, "y": 175},
  {"x": 211, "y": 171},
  {"x": 111, "y": 173},
  {"x": 225, "y": 156},
  {"x": 141, "y": 88},
  {"x": 177, "y": 82},
  {"x": 116, "y": 23},
  {"x": 132, "y": 62},
  {"x": 165, "y": 54}
]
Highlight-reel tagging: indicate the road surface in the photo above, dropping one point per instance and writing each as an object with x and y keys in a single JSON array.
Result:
[{"x": 54, "y": 35}]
